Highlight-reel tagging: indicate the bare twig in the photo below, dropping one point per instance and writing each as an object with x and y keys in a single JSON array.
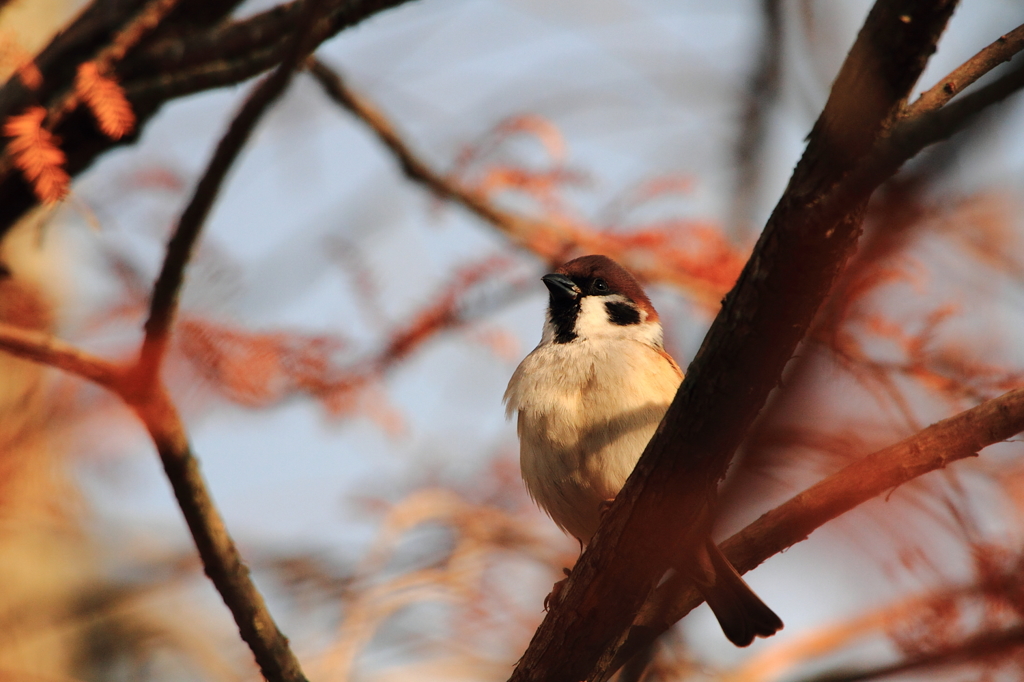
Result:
[
  {"x": 937, "y": 446},
  {"x": 45, "y": 349},
  {"x": 911, "y": 135},
  {"x": 554, "y": 242},
  {"x": 221, "y": 559},
  {"x": 150, "y": 400},
  {"x": 165, "y": 292},
  {"x": 1002, "y": 50}
]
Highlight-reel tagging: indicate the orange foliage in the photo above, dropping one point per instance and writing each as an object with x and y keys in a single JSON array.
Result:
[
  {"x": 260, "y": 369},
  {"x": 105, "y": 98},
  {"x": 34, "y": 150},
  {"x": 543, "y": 130}
]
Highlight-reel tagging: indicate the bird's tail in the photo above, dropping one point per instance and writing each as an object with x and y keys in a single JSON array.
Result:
[{"x": 739, "y": 611}]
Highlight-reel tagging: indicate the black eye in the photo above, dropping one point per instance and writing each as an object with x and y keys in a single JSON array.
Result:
[{"x": 600, "y": 287}]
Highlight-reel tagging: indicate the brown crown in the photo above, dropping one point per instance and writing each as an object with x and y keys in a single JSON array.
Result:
[{"x": 586, "y": 269}]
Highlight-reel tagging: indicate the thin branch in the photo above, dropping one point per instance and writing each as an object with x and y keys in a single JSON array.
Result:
[
  {"x": 937, "y": 446},
  {"x": 911, "y": 135},
  {"x": 553, "y": 242},
  {"x": 47, "y": 350},
  {"x": 1002, "y": 50},
  {"x": 164, "y": 302},
  {"x": 549, "y": 242},
  {"x": 221, "y": 560}
]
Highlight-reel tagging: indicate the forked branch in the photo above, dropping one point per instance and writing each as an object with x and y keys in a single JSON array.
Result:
[{"x": 139, "y": 384}]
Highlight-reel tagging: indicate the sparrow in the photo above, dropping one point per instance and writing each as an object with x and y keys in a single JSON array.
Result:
[{"x": 589, "y": 398}]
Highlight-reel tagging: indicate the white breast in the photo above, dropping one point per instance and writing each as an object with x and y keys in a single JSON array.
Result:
[{"x": 586, "y": 411}]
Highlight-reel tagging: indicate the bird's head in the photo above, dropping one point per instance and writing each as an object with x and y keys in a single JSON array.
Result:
[{"x": 594, "y": 297}]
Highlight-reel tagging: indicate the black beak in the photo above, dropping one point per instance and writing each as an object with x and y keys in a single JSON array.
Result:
[{"x": 561, "y": 287}]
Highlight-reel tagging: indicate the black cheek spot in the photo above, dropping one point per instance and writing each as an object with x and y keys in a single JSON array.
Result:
[{"x": 622, "y": 314}]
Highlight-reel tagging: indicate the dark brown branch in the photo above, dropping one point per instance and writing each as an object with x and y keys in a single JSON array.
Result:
[
  {"x": 178, "y": 83},
  {"x": 906, "y": 140},
  {"x": 164, "y": 303},
  {"x": 147, "y": 19},
  {"x": 912, "y": 135},
  {"x": 664, "y": 507},
  {"x": 221, "y": 42},
  {"x": 221, "y": 560},
  {"x": 260, "y": 43},
  {"x": 937, "y": 446},
  {"x": 967, "y": 73}
]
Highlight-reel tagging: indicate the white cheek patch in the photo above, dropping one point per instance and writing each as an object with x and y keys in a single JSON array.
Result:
[{"x": 592, "y": 320}]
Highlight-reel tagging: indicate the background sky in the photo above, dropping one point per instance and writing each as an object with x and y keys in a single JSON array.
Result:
[{"x": 633, "y": 90}]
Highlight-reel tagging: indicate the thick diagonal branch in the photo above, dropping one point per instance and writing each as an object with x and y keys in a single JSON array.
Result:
[{"x": 665, "y": 506}]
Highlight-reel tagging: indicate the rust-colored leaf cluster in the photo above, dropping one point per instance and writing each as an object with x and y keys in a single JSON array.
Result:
[
  {"x": 259, "y": 369},
  {"x": 35, "y": 151},
  {"x": 33, "y": 147},
  {"x": 106, "y": 100}
]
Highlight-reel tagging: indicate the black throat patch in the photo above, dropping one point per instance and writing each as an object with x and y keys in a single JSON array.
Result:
[
  {"x": 622, "y": 314},
  {"x": 563, "y": 317}
]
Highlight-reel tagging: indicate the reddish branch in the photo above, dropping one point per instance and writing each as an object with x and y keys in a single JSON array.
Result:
[
  {"x": 221, "y": 560},
  {"x": 42, "y": 348},
  {"x": 937, "y": 446}
]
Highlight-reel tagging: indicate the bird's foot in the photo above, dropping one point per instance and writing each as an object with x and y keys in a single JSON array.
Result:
[{"x": 556, "y": 591}]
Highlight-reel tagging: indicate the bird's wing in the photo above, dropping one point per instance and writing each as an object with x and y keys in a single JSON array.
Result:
[{"x": 663, "y": 353}]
